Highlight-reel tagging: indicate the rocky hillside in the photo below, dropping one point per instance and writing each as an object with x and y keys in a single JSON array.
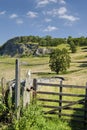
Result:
[
  {"x": 35, "y": 45},
  {"x": 22, "y": 46}
]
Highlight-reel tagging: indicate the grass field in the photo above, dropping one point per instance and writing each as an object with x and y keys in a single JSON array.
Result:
[{"x": 39, "y": 66}]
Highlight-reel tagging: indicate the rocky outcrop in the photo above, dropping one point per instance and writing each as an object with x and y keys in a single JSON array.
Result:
[
  {"x": 18, "y": 49},
  {"x": 43, "y": 51},
  {"x": 14, "y": 47}
]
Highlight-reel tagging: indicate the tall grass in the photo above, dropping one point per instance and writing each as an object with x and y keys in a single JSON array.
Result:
[
  {"x": 39, "y": 67},
  {"x": 33, "y": 119}
]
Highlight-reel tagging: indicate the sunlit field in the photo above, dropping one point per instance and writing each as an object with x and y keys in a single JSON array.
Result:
[{"x": 39, "y": 66}]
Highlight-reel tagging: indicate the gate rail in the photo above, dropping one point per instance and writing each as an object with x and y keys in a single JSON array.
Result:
[{"x": 82, "y": 100}]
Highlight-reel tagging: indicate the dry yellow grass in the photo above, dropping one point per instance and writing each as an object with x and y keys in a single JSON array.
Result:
[{"x": 39, "y": 66}]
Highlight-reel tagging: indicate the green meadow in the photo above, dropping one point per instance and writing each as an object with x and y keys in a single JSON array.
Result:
[{"x": 39, "y": 66}]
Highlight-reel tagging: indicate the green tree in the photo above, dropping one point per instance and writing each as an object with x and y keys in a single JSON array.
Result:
[
  {"x": 42, "y": 42},
  {"x": 73, "y": 47},
  {"x": 59, "y": 60}
]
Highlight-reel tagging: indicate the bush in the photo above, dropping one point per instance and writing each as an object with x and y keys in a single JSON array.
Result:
[
  {"x": 73, "y": 47},
  {"x": 2, "y": 107},
  {"x": 59, "y": 60},
  {"x": 32, "y": 119}
]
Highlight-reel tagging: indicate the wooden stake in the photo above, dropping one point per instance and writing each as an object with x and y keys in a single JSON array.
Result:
[{"x": 17, "y": 88}]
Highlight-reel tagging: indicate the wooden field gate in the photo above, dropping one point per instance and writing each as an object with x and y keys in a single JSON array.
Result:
[
  {"x": 65, "y": 101},
  {"x": 71, "y": 100}
]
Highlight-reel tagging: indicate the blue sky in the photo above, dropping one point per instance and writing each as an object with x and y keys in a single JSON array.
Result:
[{"x": 57, "y": 18}]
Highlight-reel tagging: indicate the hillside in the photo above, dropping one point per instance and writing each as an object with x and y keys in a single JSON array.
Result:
[
  {"x": 23, "y": 46},
  {"x": 14, "y": 47},
  {"x": 35, "y": 45}
]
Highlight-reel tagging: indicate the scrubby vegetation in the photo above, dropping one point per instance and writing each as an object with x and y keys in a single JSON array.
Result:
[
  {"x": 39, "y": 65},
  {"x": 32, "y": 118},
  {"x": 34, "y": 45}
]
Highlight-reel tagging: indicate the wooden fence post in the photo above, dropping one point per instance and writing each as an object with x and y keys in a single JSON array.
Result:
[
  {"x": 34, "y": 88},
  {"x": 60, "y": 98},
  {"x": 3, "y": 85},
  {"x": 17, "y": 88},
  {"x": 85, "y": 112},
  {"x": 27, "y": 89}
]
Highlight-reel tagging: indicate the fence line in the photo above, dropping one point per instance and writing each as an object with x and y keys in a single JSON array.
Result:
[
  {"x": 62, "y": 104},
  {"x": 59, "y": 109}
]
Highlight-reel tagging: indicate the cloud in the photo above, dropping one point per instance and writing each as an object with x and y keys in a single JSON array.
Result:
[
  {"x": 2, "y": 12},
  {"x": 62, "y": 1},
  {"x": 42, "y": 3},
  {"x": 50, "y": 29},
  {"x": 32, "y": 14},
  {"x": 56, "y": 12},
  {"x": 19, "y": 21},
  {"x": 13, "y": 16},
  {"x": 69, "y": 17},
  {"x": 62, "y": 10},
  {"x": 62, "y": 13},
  {"x": 55, "y": 1},
  {"x": 48, "y": 20}
]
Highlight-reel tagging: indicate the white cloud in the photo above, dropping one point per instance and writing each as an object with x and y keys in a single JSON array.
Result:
[
  {"x": 56, "y": 12},
  {"x": 52, "y": 12},
  {"x": 61, "y": 13},
  {"x": 50, "y": 28},
  {"x": 2, "y": 12},
  {"x": 19, "y": 21},
  {"x": 13, "y": 16},
  {"x": 69, "y": 17},
  {"x": 55, "y": 1},
  {"x": 32, "y": 14},
  {"x": 48, "y": 20},
  {"x": 62, "y": 10},
  {"x": 62, "y": 1},
  {"x": 42, "y": 3}
]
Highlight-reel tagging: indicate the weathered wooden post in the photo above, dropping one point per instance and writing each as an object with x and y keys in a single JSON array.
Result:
[
  {"x": 3, "y": 85},
  {"x": 17, "y": 88},
  {"x": 85, "y": 112},
  {"x": 27, "y": 89},
  {"x": 60, "y": 97},
  {"x": 34, "y": 88}
]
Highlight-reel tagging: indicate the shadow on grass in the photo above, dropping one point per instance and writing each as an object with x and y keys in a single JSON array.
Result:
[
  {"x": 28, "y": 64},
  {"x": 83, "y": 63},
  {"x": 47, "y": 74},
  {"x": 84, "y": 49},
  {"x": 7, "y": 63},
  {"x": 77, "y": 121},
  {"x": 72, "y": 71}
]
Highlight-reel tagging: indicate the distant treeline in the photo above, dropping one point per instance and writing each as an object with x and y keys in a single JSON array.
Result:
[{"x": 49, "y": 41}]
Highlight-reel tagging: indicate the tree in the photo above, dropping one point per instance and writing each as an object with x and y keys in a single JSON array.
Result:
[
  {"x": 73, "y": 47},
  {"x": 59, "y": 60},
  {"x": 69, "y": 39},
  {"x": 42, "y": 42}
]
